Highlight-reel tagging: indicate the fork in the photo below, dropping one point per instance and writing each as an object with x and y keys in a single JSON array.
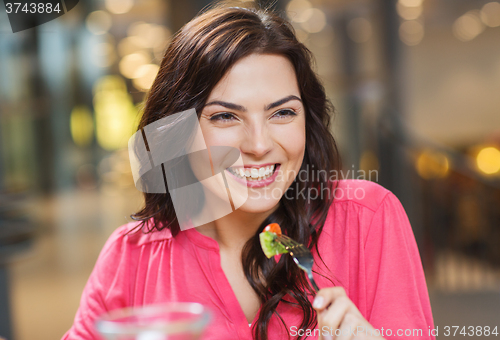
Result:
[{"x": 301, "y": 256}]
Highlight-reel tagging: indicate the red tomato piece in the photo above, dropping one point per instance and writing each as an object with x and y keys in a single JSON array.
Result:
[{"x": 274, "y": 228}]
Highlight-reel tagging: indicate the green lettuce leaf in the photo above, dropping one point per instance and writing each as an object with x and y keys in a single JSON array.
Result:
[{"x": 269, "y": 245}]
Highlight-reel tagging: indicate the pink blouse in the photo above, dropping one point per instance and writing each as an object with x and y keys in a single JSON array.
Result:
[{"x": 367, "y": 244}]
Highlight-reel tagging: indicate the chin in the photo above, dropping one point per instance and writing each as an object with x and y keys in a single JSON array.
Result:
[{"x": 259, "y": 205}]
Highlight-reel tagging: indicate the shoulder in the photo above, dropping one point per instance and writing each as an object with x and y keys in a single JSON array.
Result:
[
  {"x": 370, "y": 209},
  {"x": 355, "y": 204},
  {"x": 132, "y": 234},
  {"x": 123, "y": 247},
  {"x": 363, "y": 193}
]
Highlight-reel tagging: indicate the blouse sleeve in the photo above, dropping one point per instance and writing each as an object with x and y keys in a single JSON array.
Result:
[
  {"x": 92, "y": 303},
  {"x": 397, "y": 296}
]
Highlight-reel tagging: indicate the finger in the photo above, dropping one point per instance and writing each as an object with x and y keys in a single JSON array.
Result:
[
  {"x": 333, "y": 315},
  {"x": 330, "y": 319},
  {"x": 350, "y": 327},
  {"x": 326, "y": 296}
]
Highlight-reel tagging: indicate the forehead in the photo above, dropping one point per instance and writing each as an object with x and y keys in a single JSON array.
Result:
[{"x": 257, "y": 78}]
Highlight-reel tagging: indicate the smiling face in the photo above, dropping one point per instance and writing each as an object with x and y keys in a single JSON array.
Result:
[{"x": 256, "y": 107}]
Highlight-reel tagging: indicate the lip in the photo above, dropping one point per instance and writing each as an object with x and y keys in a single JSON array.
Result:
[{"x": 257, "y": 184}]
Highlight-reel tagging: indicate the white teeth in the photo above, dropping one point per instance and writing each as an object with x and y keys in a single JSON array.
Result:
[{"x": 253, "y": 173}]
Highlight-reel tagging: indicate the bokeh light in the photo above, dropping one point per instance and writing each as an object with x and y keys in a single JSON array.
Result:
[
  {"x": 408, "y": 13},
  {"x": 158, "y": 36},
  {"x": 139, "y": 32},
  {"x": 145, "y": 76},
  {"x": 119, "y": 6},
  {"x": 359, "y": 30},
  {"x": 488, "y": 160},
  {"x": 98, "y": 22},
  {"x": 128, "y": 46},
  {"x": 148, "y": 35},
  {"x": 131, "y": 63},
  {"x": 81, "y": 125},
  {"x": 468, "y": 26},
  {"x": 490, "y": 14},
  {"x": 432, "y": 164},
  {"x": 159, "y": 52},
  {"x": 115, "y": 113},
  {"x": 411, "y": 3},
  {"x": 411, "y": 32},
  {"x": 316, "y": 21},
  {"x": 297, "y": 10},
  {"x": 301, "y": 35}
]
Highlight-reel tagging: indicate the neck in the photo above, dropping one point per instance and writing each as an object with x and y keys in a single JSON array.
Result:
[{"x": 232, "y": 231}]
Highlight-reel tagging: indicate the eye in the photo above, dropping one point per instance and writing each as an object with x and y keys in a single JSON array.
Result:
[
  {"x": 223, "y": 117},
  {"x": 285, "y": 113}
]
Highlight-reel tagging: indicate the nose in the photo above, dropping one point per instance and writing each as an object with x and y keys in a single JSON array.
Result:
[{"x": 257, "y": 140}]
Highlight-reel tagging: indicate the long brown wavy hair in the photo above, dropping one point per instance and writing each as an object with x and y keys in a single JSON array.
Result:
[{"x": 199, "y": 55}]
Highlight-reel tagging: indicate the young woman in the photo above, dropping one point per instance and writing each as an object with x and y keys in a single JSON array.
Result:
[{"x": 253, "y": 88}]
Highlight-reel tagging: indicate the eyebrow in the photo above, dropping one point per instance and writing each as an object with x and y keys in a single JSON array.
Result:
[
  {"x": 282, "y": 101},
  {"x": 237, "y": 107}
]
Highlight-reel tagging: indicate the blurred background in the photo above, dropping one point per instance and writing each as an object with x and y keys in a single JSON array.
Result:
[{"x": 416, "y": 85}]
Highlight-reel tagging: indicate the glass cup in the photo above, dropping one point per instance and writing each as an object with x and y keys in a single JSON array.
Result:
[{"x": 172, "y": 321}]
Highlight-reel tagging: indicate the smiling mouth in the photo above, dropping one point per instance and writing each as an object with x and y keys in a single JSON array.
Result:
[{"x": 253, "y": 174}]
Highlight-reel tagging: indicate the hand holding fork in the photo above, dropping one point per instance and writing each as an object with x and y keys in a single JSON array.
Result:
[{"x": 334, "y": 308}]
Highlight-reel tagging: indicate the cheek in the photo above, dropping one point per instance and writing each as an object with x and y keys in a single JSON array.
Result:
[
  {"x": 213, "y": 136},
  {"x": 297, "y": 150},
  {"x": 293, "y": 141}
]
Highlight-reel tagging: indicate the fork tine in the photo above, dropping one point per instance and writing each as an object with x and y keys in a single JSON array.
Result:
[
  {"x": 284, "y": 241},
  {"x": 287, "y": 244},
  {"x": 292, "y": 244},
  {"x": 292, "y": 241},
  {"x": 288, "y": 241}
]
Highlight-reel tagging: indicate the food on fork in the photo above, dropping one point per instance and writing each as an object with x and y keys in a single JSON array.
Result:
[
  {"x": 268, "y": 240},
  {"x": 274, "y": 243}
]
